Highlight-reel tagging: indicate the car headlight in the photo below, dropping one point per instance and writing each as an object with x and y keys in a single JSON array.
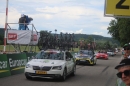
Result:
[
  {"x": 92, "y": 59},
  {"x": 57, "y": 67},
  {"x": 28, "y": 66}
]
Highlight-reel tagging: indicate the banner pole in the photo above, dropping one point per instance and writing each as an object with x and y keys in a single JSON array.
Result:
[{"x": 6, "y": 18}]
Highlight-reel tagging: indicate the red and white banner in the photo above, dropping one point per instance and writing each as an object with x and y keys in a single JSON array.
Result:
[
  {"x": 34, "y": 38},
  {"x": 22, "y": 37},
  {"x": 19, "y": 36}
]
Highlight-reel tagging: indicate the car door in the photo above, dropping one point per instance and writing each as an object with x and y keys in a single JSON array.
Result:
[
  {"x": 68, "y": 62},
  {"x": 72, "y": 63}
]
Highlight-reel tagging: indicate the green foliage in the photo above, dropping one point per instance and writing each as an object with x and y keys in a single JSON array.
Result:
[
  {"x": 1, "y": 36},
  {"x": 98, "y": 38},
  {"x": 119, "y": 29}
]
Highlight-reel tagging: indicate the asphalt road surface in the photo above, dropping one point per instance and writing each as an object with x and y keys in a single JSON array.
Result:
[{"x": 101, "y": 74}]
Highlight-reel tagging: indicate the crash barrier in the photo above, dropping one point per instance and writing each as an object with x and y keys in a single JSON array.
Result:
[
  {"x": 4, "y": 66},
  {"x": 11, "y": 64}
]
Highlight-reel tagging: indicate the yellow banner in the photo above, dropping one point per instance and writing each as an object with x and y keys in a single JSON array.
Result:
[{"x": 117, "y": 7}]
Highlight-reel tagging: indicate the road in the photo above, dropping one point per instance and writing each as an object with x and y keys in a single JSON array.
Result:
[{"x": 101, "y": 74}]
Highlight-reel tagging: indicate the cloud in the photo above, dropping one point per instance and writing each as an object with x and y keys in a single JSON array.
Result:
[
  {"x": 79, "y": 31},
  {"x": 72, "y": 16},
  {"x": 98, "y": 33},
  {"x": 104, "y": 27}
]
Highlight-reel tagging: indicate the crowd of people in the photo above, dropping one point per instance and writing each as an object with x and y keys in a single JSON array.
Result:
[{"x": 124, "y": 67}]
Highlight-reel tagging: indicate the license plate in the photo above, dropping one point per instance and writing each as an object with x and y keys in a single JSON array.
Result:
[{"x": 41, "y": 72}]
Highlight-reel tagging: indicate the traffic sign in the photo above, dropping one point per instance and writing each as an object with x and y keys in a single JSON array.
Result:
[{"x": 117, "y": 8}]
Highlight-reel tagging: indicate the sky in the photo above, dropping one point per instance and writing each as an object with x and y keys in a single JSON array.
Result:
[{"x": 67, "y": 16}]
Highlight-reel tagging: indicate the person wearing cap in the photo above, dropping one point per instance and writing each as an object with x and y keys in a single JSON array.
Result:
[
  {"x": 126, "y": 51},
  {"x": 123, "y": 73},
  {"x": 22, "y": 22}
]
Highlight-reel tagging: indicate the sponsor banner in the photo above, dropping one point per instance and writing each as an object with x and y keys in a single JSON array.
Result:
[
  {"x": 19, "y": 36},
  {"x": 17, "y": 62},
  {"x": 34, "y": 38},
  {"x": 4, "y": 66},
  {"x": 30, "y": 56}
]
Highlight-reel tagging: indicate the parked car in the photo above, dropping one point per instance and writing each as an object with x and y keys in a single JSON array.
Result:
[
  {"x": 51, "y": 64},
  {"x": 86, "y": 57},
  {"x": 102, "y": 55}
]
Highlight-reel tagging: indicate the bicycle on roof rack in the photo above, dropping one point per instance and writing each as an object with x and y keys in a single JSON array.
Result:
[{"x": 54, "y": 41}]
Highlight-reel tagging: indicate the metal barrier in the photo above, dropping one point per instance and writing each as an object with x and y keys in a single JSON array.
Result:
[{"x": 11, "y": 64}]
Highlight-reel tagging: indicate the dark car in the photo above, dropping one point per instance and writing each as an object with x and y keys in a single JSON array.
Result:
[{"x": 85, "y": 57}]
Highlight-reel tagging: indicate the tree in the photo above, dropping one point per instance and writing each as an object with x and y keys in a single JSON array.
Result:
[
  {"x": 119, "y": 29},
  {"x": 1, "y": 39}
]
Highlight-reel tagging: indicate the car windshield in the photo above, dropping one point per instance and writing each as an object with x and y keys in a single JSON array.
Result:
[
  {"x": 110, "y": 51},
  {"x": 87, "y": 52},
  {"x": 83, "y": 56},
  {"x": 50, "y": 55}
]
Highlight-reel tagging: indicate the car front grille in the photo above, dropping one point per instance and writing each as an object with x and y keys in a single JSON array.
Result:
[
  {"x": 36, "y": 68},
  {"x": 45, "y": 68}
]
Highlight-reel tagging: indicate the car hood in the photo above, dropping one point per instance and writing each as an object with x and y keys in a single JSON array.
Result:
[{"x": 46, "y": 62}]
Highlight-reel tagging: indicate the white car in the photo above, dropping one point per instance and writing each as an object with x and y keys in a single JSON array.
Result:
[
  {"x": 111, "y": 53},
  {"x": 51, "y": 64}
]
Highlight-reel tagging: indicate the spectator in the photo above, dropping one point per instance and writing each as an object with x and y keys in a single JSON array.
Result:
[
  {"x": 126, "y": 51},
  {"x": 22, "y": 22},
  {"x": 123, "y": 73}
]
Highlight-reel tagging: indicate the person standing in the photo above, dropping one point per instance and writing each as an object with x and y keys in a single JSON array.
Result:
[
  {"x": 27, "y": 21},
  {"x": 22, "y": 22},
  {"x": 123, "y": 73}
]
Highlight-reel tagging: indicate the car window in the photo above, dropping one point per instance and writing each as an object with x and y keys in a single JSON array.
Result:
[
  {"x": 90, "y": 53},
  {"x": 83, "y": 52},
  {"x": 50, "y": 55},
  {"x": 87, "y": 52},
  {"x": 68, "y": 55}
]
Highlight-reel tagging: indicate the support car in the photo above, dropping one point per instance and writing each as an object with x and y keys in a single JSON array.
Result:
[
  {"x": 86, "y": 57},
  {"x": 51, "y": 64}
]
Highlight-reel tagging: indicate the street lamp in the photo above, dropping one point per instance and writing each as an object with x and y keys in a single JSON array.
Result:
[{"x": 55, "y": 31}]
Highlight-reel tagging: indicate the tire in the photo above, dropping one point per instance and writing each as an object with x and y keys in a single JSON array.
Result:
[
  {"x": 92, "y": 63},
  {"x": 74, "y": 71},
  {"x": 63, "y": 77},
  {"x": 95, "y": 62},
  {"x": 77, "y": 63}
]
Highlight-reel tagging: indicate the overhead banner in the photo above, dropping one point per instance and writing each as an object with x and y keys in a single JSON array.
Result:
[
  {"x": 19, "y": 36},
  {"x": 117, "y": 8}
]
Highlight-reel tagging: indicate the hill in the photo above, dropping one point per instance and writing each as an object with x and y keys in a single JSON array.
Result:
[{"x": 96, "y": 37}]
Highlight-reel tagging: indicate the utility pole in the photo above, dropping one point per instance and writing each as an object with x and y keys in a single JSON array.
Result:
[{"x": 6, "y": 18}]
